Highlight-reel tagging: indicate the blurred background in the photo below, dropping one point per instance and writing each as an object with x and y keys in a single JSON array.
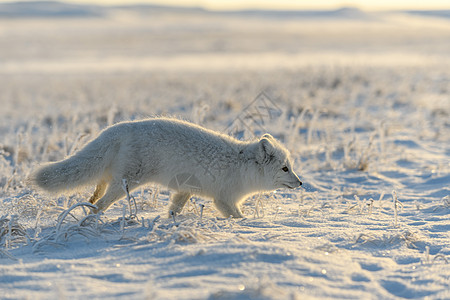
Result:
[
  {"x": 94, "y": 43},
  {"x": 84, "y": 36}
]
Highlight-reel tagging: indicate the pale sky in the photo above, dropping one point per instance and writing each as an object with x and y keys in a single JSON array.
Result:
[{"x": 286, "y": 4}]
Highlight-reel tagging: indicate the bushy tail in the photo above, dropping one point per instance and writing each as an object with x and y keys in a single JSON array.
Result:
[{"x": 85, "y": 167}]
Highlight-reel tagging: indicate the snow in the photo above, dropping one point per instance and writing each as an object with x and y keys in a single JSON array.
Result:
[{"x": 363, "y": 106}]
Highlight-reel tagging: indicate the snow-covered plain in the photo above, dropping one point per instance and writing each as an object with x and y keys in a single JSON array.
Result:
[{"x": 362, "y": 104}]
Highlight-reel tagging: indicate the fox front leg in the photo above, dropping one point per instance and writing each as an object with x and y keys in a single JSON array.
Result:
[
  {"x": 177, "y": 202},
  {"x": 228, "y": 208}
]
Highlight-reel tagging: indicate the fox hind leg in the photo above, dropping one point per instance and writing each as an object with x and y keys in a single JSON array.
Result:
[
  {"x": 178, "y": 201},
  {"x": 99, "y": 192},
  {"x": 113, "y": 193}
]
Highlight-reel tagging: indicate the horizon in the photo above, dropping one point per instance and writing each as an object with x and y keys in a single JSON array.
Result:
[{"x": 381, "y": 5}]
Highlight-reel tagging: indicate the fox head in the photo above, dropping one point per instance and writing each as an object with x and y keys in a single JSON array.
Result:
[{"x": 272, "y": 162}]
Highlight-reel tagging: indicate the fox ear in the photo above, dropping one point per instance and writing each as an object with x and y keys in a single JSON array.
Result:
[
  {"x": 265, "y": 150},
  {"x": 267, "y": 136}
]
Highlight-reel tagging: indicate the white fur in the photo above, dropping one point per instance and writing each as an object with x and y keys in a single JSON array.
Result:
[{"x": 170, "y": 151}]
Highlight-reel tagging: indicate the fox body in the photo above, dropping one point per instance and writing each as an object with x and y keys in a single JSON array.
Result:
[{"x": 185, "y": 157}]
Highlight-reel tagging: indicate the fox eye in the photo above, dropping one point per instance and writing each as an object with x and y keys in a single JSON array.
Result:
[{"x": 285, "y": 169}]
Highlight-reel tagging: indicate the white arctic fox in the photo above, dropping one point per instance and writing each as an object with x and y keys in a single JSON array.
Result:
[{"x": 183, "y": 156}]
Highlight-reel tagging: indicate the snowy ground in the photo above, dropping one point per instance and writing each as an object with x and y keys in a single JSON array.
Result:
[{"x": 363, "y": 105}]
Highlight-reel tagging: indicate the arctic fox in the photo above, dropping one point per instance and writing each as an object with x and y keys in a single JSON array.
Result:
[{"x": 185, "y": 157}]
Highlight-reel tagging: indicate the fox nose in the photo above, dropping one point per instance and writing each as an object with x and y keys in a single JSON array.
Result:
[{"x": 298, "y": 179}]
